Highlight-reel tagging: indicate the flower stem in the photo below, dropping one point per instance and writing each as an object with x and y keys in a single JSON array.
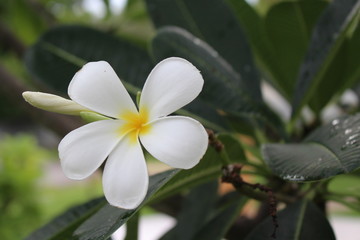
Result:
[{"x": 132, "y": 227}]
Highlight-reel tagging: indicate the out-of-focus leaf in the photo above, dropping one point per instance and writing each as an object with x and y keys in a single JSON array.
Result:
[
  {"x": 299, "y": 221},
  {"x": 254, "y": 28},
  {"x": 327, "y": 37},
  {"x": 213, "y": 22},
  {"x": 343, "y": 71},
  {"x": 352, "y": 49},
  {"x": 288, "y": 26},
  {"x": 224, "y": 89},
  {"x": 108, "y": 219},
  {"x": 346, "y": 185},
  {"x": 62, "y": 51},
  {"x": 23, "y": 21},
  {"x": 63, "y": 226},
  {"x": 205, "y": 215},
  {"x": 219, "y": 224},
  {"x": 232, "y": 147},
  {"x": 208, "y": 169},
  {"x": 330, "y": 150},
  {"x": 195, "y": 211}
]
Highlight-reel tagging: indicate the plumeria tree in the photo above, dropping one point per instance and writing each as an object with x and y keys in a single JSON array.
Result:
[{"x": 195, "y": 97}]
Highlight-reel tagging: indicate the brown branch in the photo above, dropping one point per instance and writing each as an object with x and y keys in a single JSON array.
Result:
[
  {"x": 12, "y": 88},
  {"x": 231, "y": 174}
]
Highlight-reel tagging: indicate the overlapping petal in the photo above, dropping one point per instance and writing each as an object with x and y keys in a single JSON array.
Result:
[
  {"x": 177, "y": 141},
  {"x": 97, "y": 87},
  {"x": 84, "y": 149},
  {"x": 172, "y": 84},
  {"x": 125, "y": 177}
]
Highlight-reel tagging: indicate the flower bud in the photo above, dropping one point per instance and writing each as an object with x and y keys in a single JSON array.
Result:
[
  {"x": 92, "y": 116},
  {"x": 53, "y": 103}
]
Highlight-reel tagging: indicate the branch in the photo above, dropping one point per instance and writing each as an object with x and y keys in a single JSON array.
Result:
[{"x": 12, "y": 88}]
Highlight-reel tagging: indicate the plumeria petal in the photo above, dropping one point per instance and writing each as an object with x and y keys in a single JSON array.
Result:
[
  {"x": 97, "y": 87},
  {"x": 84, "y": 149},
  {"x": 177, "y": 141},
  {"x": 125, "y": 177},
  {"x": 172, "y": 84}
]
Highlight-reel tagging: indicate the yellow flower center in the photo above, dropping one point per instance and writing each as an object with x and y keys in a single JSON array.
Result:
[{"x": 135, "y": 124}]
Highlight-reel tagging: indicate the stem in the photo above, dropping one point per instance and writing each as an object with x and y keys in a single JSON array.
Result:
[
  {"x": 132, "y": 227},
  {"x": 231, "y": 174},
  {"x": 138, "y": 96}
]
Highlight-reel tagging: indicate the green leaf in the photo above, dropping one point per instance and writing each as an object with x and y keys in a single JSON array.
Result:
[
  {"x": 205, "y": 215},
  {"x": 299, "y": 221},
  {"x": 223, "y": 89},
  {"x": 344, "y": 66},
  {"x": 195, "y": 210},
  {"x": 232, "y": 147},
  {"x": 214, "y": 23},
  {"x": 327, "y": 37},
  {"x": 62, "y": 51},
  {"x": 63, "y": 226},
  {"x": 108, "y": 219},
  {"x": 288, "y": 26},
  {"x": 254, "y": 28},
  {"x": 208, "y": 169},
  {"x": 345, "y": 185},
  {"x": 330, "y": 150},
  {"x": 220, "y": 223}
]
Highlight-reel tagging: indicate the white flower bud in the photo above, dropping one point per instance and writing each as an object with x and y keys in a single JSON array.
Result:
[{"x": 53, "y": 103}]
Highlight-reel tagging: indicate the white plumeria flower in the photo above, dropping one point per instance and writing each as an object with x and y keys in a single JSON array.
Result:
[{"x": 175, "y": 140}]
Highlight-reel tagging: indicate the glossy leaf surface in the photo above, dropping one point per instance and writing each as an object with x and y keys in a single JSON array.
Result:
[
  {"x": 214, "y": 24},
  {"x": 330, "y": 150},
  {"x": 327, "y": 37}
]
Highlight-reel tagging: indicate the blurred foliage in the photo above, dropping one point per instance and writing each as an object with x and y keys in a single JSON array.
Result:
[{"x": 21, "y": 162}]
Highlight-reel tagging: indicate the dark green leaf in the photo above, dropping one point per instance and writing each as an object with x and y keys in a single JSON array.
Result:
[
  {"x": 327, "y": 37},
  {"x": 330, "y": 150},
  {"x": 232, "y": 147},
  {"x": 219, "y": 224},
  {"x": 63, "y": 226},
  {"x": 195, "y": 210},
  {"x": 208, "y": 169},
  {"x": 254, "y": 28},
  {"x": 343, "y": 71},
  {"x": 299, "y": 221},
  {"x": 108, "y": 219},
  {"x": 205, "y": 215},
  {"x": 213, "y": 22},
  {"x": 62, "y": 51},
  {"x": 288, "y": 26},
  {"x": 224, "y": 88}
]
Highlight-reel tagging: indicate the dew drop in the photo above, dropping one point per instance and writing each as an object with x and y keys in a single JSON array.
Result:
[
  {"x": 335, "y": 122},
  {"x": 348, "y": 131}
]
